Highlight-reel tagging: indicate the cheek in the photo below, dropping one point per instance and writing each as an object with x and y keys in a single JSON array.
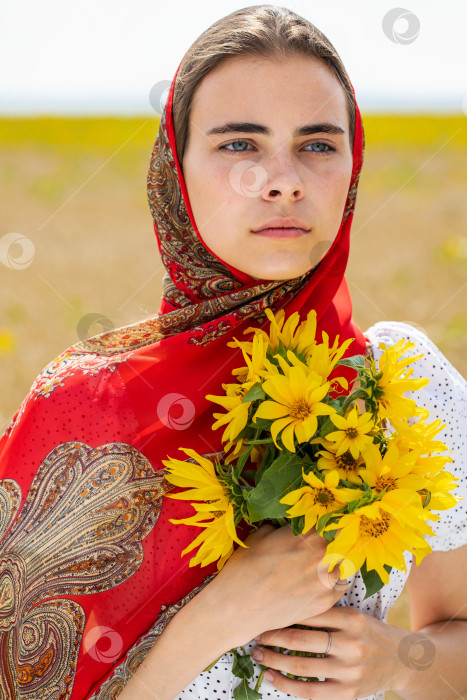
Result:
[{"x": 334, "y": 193}]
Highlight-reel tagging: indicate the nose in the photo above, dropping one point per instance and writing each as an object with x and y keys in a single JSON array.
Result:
[{"x": 283, "y": 181}]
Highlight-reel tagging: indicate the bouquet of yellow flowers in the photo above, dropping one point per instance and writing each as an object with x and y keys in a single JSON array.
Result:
[{"x": 360, "y": 464}]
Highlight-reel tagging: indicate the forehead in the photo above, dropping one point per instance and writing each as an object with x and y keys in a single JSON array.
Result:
[{"x": 295, "y": 88}]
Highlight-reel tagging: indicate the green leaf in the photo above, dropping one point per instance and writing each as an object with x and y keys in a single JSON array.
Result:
[
  {"x": 258, "y": 442},
  {"x": 329, "y": 535},
  {"x": 254, "y": 393},
  {"x": 244, "y": 692},
  {"x": 242, "y": 665},
  {"x": 261, "y": 423},
  {"x": 356, "y": 362},
  {"x": 372, "y": 579},
  {"x": 283, "y": 475},
  {"x": 267, "y": 461},
  {"x": 327, "y": 427},
  {"x": 241, "y": 461}
]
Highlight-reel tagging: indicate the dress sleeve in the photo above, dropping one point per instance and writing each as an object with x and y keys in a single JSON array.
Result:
[{"x": 445, "y": 397}]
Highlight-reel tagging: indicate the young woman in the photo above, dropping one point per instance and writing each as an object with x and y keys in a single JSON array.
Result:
[{"x": 252, "y": 185}]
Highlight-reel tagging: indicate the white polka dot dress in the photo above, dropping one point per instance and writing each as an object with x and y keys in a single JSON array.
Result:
[{"x": 445, "y": 397}]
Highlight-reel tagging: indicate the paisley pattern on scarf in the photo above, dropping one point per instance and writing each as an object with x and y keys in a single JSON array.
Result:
[
  {"x": 114, "y": 685},
  {"x": 79, "y": 532},
  {"x": 67, "y": 364}
]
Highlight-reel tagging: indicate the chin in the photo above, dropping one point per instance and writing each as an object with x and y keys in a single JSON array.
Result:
[{"x": 278, "y": 276}]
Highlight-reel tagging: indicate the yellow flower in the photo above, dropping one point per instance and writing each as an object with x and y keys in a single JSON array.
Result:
[
  {"x": 236, "y": 417},
  {"x": 318, "y": 498},
  {"x": 352, "y": 434},
  {"x": 419, "y": 435},
  {"x": 324, "y": 358},
  {"x": 253, "y": 372},
  {"x": 346, "y": 465},
  {"x": 301, "y": 339},
  {"x": 394, "y": 470},
  {"x": 319, "y": 365},
  {"x": 215, "y": 515},
  {"x": 395, "y": 380},
  {"x": 379, "y": 533},
  {"x": 295, "y": 407},
  {"x": 439, "y": 485}
]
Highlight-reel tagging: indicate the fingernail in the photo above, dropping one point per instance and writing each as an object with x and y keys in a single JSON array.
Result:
[
  {"x": 258, "y": 638},
  {"x": 269, "y": 676},
  {"x": 257, "y": 654}
]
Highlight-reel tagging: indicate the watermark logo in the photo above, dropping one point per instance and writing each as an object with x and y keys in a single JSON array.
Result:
[
  {"x": 318, "y": 252},
  {"x": 401, "y": 26},
  {"x": 103, "y": 644},
  {"x": 417, "y": 651},
  {"x": 248, "y": 178},
  {"x": 158, "y": 95},
  {"x": 16, "y": 251},
  {"x": 93, "y": 324},
  {"x": 176, "y": 411},
  {"x": 331, "y": 579}
]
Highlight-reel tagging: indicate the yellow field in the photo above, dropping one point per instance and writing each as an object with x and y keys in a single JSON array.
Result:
[{"x": 77, "y": 189}]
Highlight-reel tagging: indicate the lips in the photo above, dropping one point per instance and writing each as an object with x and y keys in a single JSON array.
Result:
[
  {"x": 282, "y": 227},
  {"x": 281, "y": 232}
]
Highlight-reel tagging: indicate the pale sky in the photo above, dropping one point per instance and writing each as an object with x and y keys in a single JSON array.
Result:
[{"x": 104, "y": 56}]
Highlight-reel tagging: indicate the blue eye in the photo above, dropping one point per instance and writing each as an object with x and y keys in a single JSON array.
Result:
[
  {"x": 322, "y": 147},
  {"x": 232, "y": 143}
]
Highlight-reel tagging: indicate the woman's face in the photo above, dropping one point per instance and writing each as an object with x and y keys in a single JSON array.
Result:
[{"x": 268, "y": 140}]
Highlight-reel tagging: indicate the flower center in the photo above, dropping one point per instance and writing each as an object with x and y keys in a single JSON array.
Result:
[
  {"x": 348, "y": 462},
  {"x": 324, "y": 496},
  {"x": 352, "y": 433},
  {"x": 300, "y": 410},
  {"x": 383, "y": 481},
  {"x": 376, "y": 527}
]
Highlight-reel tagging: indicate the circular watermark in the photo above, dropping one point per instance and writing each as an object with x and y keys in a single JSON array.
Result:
[
  {"x": 318, "y": 252},
  {"x": 417, "y": 651},
  {"x": 16, "y": 251},
  {"x": 248, "y": 178},
  {"x": 103, "y": 644},
  {"x": 331, "y": 579},
  {"x": 401, "y": 26},
  {"x": 158, "y": 95},
  {"x": 93, "y": 324},
  {"x": 176, "y": 411}
]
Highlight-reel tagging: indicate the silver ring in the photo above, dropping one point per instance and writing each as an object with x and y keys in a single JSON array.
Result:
[{"x": 329, "y": 643}]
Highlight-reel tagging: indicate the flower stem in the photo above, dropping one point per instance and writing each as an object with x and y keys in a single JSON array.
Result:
[{"x": 259, "y": 681}]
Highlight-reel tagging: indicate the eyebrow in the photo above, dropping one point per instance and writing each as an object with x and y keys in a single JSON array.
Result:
[{"x": 249, "y": 128}]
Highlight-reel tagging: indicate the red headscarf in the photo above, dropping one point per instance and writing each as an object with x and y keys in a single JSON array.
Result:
[{"x": 90, "y": 566}]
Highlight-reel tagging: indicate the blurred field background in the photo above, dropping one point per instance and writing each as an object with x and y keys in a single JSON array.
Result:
[{"x": 76, "y": 187}]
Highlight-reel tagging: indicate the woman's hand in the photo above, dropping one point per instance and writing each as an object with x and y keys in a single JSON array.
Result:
[
  {"x": 275, "y": 582},
  {"x": 363, "y": 658}
]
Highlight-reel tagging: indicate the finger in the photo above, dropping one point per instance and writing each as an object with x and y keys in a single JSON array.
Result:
[
  {"x": 330, "y": 689},
  {"x": 309, "y": 666},
  {"x": 338, "y": 617},
  {"x": 298, "y": 639}
]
